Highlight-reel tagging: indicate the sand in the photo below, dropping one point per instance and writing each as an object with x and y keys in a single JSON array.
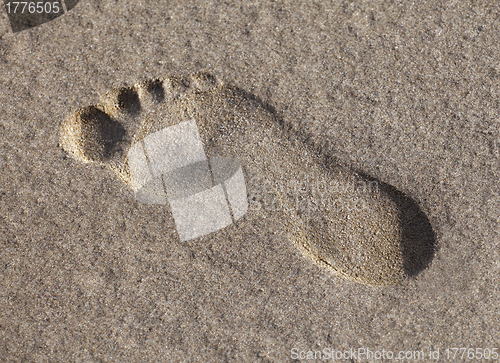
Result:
[{"x": 403, "y": 94}]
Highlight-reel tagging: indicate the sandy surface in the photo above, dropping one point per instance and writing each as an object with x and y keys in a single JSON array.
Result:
[{"x": 406, "y": 93}]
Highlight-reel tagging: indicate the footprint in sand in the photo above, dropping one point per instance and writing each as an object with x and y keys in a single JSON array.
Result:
[{"x": 343, "y": 220}]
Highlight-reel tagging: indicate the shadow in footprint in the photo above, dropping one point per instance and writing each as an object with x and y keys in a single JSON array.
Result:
[
  {"x": 155, "y": 88},
  {"x": 418, "y": 240},
  {"x": 101, "y": 135},
  {"x": 129, "y": 102}
]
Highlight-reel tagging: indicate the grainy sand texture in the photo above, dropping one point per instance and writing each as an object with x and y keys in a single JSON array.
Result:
[{"x": 368, "y": 136}]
